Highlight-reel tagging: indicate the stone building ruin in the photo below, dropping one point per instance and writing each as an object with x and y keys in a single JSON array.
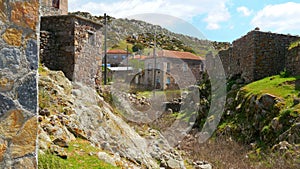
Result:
[
  {"x": 70, "y": 43},
  {"x": 260, "y": 54},
  {"x": 73, "y": 45}
]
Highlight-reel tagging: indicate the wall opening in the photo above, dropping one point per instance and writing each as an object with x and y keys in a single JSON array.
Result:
[{"x": 55, "y": 4}]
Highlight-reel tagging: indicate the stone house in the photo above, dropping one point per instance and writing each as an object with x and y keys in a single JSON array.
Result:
[
  {"x": 72, "y": 44},
  {"x": 173, "y": 70},
  {"x": 257, "y": 55},
  {"x": 54, "y": 7},
  {"x": 117, "y": 57}
]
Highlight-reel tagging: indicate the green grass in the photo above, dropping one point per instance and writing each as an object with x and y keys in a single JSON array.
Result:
[
  {"x": 78, "y": 158},
  {"x": 276, "y": 85},
  {"x": 294, "y": 44}
]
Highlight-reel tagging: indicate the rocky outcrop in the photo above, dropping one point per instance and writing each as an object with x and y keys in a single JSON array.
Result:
[
  {"x": 261, "y": 120},
  {"x": 69, "y": 111}
]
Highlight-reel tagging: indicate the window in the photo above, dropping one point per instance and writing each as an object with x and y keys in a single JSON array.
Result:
[
  {"x": 184, "y": 67},
  {"x": 168, "y": 81},
  {"x": 55, "y": 3},
  {"x": 91, "y": 38},
  {"x": 201, "y": 67},
  {"x": 149, "y": 66},
  {"x": 123, "y": 57},
  {"x": 115, "y": 56},
  {"x": 168, "y": 67},
  {"x": 158, "y": 66}
]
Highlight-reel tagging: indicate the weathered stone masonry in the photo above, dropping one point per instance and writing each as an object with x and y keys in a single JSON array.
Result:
[
  {"x": 72, "y": 44},
  {"x": 48, "y": 8},
  {"x": 18, "y": 87},
  {"x": 293, "y": 60},
  {"x": 257, "y": 55}
]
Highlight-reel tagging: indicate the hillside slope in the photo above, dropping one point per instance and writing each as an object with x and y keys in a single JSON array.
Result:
[{"x": 70, "y": 112}]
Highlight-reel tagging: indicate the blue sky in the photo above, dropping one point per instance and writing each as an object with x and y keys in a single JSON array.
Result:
[{"x": 220, "y": 20}]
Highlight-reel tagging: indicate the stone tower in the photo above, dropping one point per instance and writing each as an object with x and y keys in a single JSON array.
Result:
[{"x": 54, "y": 7}]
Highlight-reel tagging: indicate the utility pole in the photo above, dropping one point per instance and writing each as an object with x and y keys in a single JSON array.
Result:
[
  {"x": 127, "y": 55},
  {"x": 154, "y": 55},
  {"x": 105, "y": 50}
]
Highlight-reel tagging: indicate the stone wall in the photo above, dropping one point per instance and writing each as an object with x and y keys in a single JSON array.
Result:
[
  {"x": 256, "y": 55},
  {"x": 18, "y": 87},
  {"x": 270, "y": 53},
  {"x": 182, "y": 72},
  {"x": 48, "y": 10},
  {"x": 293, "y": 60},
  {"x": 72, "y": 44}
]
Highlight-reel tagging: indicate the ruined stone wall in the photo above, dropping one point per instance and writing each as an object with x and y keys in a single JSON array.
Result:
[
  {"x": 256, "y": 55},
  {"x": 293, "y": 60},
  {"x": 270, "y": 53},
  {"x": 57, "y": 44},
  {"x": 18, "y": 87},
  {"x": 88, "y": 51},
  {"x": 72, "y": 44}
]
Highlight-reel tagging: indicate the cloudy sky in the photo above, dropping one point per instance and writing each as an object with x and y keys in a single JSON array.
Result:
[{"x": 221, "y": 20}]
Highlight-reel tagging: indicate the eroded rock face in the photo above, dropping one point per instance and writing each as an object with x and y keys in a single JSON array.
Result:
[{"x": 91, "y": 118}]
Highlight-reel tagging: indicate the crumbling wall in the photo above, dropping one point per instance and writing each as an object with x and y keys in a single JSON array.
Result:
[
  {"x": 257, "y": 55},
  {"x": 73, "y": 45},
  {"x": 88, "y": 51},
  {"x": 270, "y": 53},
  {"x": 293, "y": 60},
  {"x": 18, "y": 87},
  {"x": 57, "y": 44}
]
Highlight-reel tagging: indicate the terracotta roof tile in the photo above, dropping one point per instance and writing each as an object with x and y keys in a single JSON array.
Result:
[
  {"x": 178, "y": 54},
  {"x": 117, "y": 51},
  {"x": 142, "y": 57}
]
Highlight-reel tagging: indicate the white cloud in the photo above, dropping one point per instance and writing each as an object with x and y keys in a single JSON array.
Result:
[
  {"x": 216, "y": 15},
  {"x": 279, "y": 18},
  {"x": 214, "y": 10},
  {"x": 244, "y": 10}
]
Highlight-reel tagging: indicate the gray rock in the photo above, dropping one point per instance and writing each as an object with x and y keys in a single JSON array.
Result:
[
  {"x": 296, "y": 101},
  {"x": 107, "y": 158},
  {"x": 59, "y": 151},
  {"x": 203, "y": 166},
  {"x": 27, "y": 92},
  {"x": 173, "y": 164},
  {"x": 61, "y": 142},
  {"x": 10, "y": 58},
  {"x": 267, "y": 101},
  {"x": 31, "y": 54},
  {"x": 5, "y": 104}
]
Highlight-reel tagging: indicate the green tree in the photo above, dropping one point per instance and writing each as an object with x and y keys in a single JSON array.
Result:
[{"x": 137, "y": 47}]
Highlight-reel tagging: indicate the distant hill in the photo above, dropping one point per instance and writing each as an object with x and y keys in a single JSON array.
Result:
[{"x": 142, "y": 33}]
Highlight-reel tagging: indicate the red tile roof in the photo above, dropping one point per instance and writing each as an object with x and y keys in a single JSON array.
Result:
[
  {"x": 142, "y": 57},
  {"x": 117, "y": 51},
  {"x": 178, "y": 54}
]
